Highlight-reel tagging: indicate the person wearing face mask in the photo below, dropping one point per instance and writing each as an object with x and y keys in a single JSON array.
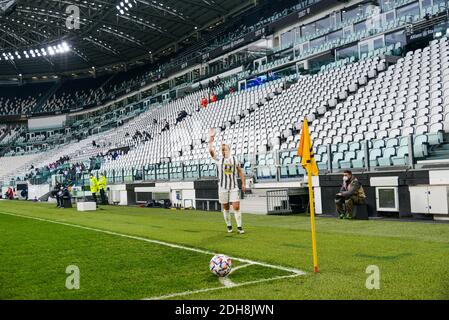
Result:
[{"x": 351, "y": 192}]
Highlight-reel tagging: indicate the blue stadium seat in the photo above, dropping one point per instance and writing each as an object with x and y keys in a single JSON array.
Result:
[
  {"x": 401, "y": 158},
  {"x": 387, "y": 154},
  {"x": 374, "y": 155}
]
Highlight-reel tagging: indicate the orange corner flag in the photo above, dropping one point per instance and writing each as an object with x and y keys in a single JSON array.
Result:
[{"x": 305, "y": 151}]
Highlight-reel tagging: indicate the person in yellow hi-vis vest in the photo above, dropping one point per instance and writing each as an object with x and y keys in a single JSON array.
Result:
[
  {"x": 102, "y": 186},
  {"x": 94, "y": 186}
]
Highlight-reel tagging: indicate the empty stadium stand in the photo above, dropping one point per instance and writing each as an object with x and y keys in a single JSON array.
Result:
[
  {"x": 347, "y": 105},
  {"x": 17, "y": 100},
  {"x": 373, "y": 107}
]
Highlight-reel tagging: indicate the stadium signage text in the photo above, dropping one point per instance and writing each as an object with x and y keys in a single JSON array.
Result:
[
  {"x": 233, "y": 44},
  {"x": 303, "y": 13},
  {"x": 422, "y": 34}
]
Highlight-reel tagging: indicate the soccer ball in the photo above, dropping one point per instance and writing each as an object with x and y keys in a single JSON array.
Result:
[{"x": 220, "y": 265}]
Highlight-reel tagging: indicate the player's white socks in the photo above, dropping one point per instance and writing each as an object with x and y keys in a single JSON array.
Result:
[
  {"x": 238, "y": 218},
  {"x": 227, "y": 217}
]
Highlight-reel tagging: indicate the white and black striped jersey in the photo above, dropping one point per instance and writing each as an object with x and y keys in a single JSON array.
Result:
[{"x": 227, "y": 173}]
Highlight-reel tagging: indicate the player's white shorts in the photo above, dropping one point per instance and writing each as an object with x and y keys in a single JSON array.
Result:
[{"x": 229, "y": 196}]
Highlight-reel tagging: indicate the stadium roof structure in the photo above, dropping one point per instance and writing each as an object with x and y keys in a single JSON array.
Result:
[{"x": 105, "y": 37}]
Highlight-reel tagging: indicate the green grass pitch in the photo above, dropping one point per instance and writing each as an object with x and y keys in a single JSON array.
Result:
[{"x": 140, "y": 253}]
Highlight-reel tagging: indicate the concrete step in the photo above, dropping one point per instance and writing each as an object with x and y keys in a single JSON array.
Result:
[
  {"x": 256, "y": 192},
  {"x": 440, "y": 152},
  {"x": 438, "y": 157},
  {"x": 255, "y": 204}
]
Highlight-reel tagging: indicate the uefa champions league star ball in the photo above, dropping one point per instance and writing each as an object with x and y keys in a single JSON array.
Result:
[{"x": 220, "y": 265}]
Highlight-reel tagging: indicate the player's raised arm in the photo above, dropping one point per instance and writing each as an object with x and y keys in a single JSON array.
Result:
[{"x": 211, "y": 143}]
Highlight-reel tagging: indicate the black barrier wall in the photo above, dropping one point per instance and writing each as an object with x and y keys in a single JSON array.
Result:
[
  {"x": 330, "y": 185},
  {"x": 131, "y": 194}
]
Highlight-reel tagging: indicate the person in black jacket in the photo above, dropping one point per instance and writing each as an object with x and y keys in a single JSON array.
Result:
[
  {"x": 65, "y": 198},
  {"x": 59, "y": 199}
]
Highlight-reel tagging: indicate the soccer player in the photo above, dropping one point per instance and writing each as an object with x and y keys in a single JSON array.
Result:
[{"x": 229, "y": 170}]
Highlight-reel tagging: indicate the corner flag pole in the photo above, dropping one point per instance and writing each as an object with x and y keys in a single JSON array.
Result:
[
  {"x": 305, "y": 151},
  {"x": 312, "y": 220}
]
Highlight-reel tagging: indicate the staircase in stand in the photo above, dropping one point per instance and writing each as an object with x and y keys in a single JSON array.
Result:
[{"x": 41, "y": 101}]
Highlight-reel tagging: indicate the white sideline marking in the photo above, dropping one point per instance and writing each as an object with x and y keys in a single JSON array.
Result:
[
  {"x": 173, "y": 295},
  {"x": 167, "y": 244}
]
